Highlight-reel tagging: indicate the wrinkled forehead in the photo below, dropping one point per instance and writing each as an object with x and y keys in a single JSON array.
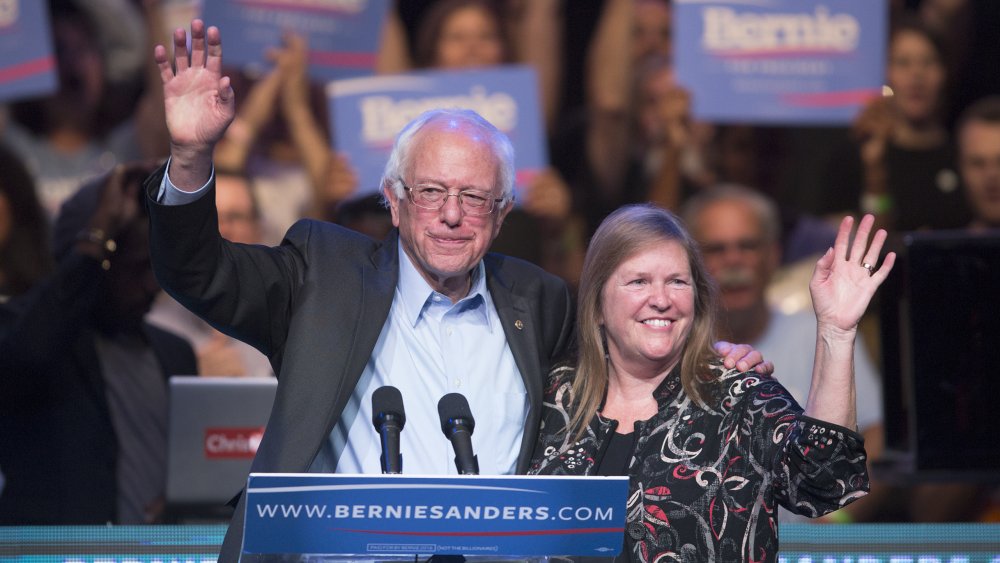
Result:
[
  {"x": 728, "y": 219},
  {"x": 466, "y": 145},
  {"x": 980, "y": 137}
]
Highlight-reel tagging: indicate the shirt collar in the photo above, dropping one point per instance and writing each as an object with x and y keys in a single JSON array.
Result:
[{"x": 416, "y": 295}]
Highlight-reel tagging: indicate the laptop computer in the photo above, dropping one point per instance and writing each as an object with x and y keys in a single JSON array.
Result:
[
  {"x": 940, "y": 330},
  {"x": 215, "y": 426}
]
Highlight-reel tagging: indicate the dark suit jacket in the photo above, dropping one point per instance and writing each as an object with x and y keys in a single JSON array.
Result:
[
  {"x": 58, "y": 448},
  {"x": 316, "y": 304}
]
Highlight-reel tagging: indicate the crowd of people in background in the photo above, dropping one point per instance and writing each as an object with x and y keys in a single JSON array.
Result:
[{"x": 760, "y": 201}]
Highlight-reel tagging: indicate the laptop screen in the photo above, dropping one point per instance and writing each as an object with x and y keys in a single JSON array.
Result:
[
  {"x": 940, "y": 335},
  {"x": 215, "y": 426}
]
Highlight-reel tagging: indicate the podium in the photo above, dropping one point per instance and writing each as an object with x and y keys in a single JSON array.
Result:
[{"x": 328, "y": 517}]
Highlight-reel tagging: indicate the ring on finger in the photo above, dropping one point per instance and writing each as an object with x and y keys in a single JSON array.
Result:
[{"x": 869, "y": 267}]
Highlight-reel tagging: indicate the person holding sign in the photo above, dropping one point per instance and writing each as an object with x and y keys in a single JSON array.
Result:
[
  {"x": 900, "y": 166},
  {"x": 427, "y": 310},
  {"x": 710, "y": 451}
]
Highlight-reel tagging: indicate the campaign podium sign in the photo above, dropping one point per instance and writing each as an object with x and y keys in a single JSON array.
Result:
[
  {"x": 27, "y": 64},
  {"x": 780, "y": 61},
  {"x": 399, "y": 516},
  {"x": 367, "y": 113},
  {"x": 343, "y": 35}
]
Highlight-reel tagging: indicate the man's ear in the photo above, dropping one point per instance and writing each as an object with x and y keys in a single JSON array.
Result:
[
  {"x": 390, "y": 196},
  {"x": 501, "y": 215}
]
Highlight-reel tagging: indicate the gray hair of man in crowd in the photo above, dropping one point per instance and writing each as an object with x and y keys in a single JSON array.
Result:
[
  {"x": 762, "y": 206},
  {"x": 453, "y": 118}
]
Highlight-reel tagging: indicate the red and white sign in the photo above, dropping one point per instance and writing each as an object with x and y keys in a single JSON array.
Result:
[{"x": 232, "y": 443}]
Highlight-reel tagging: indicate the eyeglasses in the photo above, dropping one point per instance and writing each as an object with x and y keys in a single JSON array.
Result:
[{"x": 472, "y": 202}]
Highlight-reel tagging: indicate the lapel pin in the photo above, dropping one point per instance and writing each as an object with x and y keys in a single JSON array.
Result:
[{"x": 518, "y": 324}]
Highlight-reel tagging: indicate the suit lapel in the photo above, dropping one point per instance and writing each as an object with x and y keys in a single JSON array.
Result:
[
  {"x": 520, "y": 328},
  {"x": 379, "y": 279}
]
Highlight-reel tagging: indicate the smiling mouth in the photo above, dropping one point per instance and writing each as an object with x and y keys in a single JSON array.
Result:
[
  {"x": 449, "y": 240},
  {"x": 657, "y": 322}
]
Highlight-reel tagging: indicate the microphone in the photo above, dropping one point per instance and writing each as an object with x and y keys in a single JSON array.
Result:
[
  {"x": 457, "y": 424},
  {"x": 388, "y": 417}
]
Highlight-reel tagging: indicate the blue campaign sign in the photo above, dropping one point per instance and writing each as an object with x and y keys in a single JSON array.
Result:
[
  {"x": 396, "y": 515},
  {"x": 780, "y": 61},
  {"x": 367, "y": 113},
  {"x": 343, "y": 35},
  {"x": 27, "y": 65}
]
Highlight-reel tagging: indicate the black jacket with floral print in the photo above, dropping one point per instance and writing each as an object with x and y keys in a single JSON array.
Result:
[{"x": 705, "y": 483}]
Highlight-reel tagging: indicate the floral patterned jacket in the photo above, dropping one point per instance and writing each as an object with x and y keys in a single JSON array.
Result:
[{"x": 705, "y": 482}]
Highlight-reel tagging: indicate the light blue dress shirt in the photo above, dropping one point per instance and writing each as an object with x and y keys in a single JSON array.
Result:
[{"x": 428, "y": 347}]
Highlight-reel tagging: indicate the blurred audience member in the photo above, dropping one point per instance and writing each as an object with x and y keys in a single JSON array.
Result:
[
  {"x": 738, "y": 230},
  {"x": 978, "y": 136},
  {"x": 83, "y": 410},
  {"x": 901, "y": 166},
  {"x": 81, "y": 131},
  {"x": 218, "y": 354},
  {"x": 463, "y": 34},
  {"x": 636, "y": 136},
  {"x": 24, "y": 233},
  {"x": 652, "y": 33},
  {"x": 279, "y": 139}
]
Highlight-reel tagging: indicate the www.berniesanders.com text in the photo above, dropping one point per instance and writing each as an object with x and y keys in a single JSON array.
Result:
[{"x": 435, "y": 512}]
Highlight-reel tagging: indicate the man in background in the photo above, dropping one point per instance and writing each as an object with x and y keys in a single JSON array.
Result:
[
  {"x": 738, "y": 232},
  {"x": 979, "y": 161}
]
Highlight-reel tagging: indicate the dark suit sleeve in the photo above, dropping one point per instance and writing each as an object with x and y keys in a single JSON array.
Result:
[
  {"x": 567, "y": 334},
  {"x": 245, "y": 291}
]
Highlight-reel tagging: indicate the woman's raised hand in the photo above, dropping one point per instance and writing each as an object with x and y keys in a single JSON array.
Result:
[{"x": 847, "y": 276}]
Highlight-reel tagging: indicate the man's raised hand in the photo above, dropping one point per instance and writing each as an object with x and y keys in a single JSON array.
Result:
[{"x": 198, "y": 100}]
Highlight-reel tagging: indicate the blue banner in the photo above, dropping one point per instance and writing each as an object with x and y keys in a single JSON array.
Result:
[
  {"x": 27, "y": 65},
  {"x": 780, "y": 61},
  {"x": 367, "y": 113},
  {"x": 343, "y": 35},
  {"x": 406, "y": 516}
]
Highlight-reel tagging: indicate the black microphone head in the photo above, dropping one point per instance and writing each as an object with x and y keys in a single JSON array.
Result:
[
  {"x": 454, "y": 406},
  {"x": 387, "y": 400}
]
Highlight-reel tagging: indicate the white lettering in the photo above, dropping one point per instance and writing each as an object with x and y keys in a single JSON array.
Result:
[
  {"x": 382, "y": 117},
  {"x": 725, "y": 29},
  {"x": 266, "y": 510}
]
